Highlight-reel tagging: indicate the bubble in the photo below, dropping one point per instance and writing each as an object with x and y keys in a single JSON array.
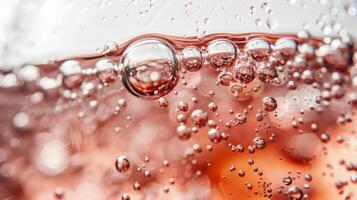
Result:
[
  {"x": 29, "y": 73},
  {"x": 285, "y": 47},
  {"x": 240, "y": 118},
  {"x": 149, "y": 68},
  {"x": 295, "y": 193},
  {"x": 258, "y": 48},
  {"x": 9, "y": 80},
  {"x": 22, "y": 121},
  {"x": 110, "y": 48},
  {"x": 236, "y": 89},
  {"x": 225, "y": 78},
  {"x": 222, "y": 53},
  {"x": 266, "y": 73},
  {"x": 269, "y": 104},
  {"x": 163, "y": 102},
  {"x": 183, "y": 132},
  {"x": 307, "y": 50},
  {"x": 71, "y": 71},
  {"x": 287, "y": 180},
  {"x": 259, "y": 143},
  {"x": 49, "y": 85},
  {"x": 191, "y": 59},
  {"x": 59, "y": 193},
  {"x": 137, "y": 186},
  {"x": 199, "y": 117},
  {"x": 89, "y": 88},
  {"x": 183, "y": 106},
  {"x": 307, "y": 76},
  {"x": 214, "y": 135},
  {"x": 122, "y": 164},
  {"x": 106, "y": 72},
  {"x": 125, "y": 197},
  {"x": 212, "y": 107},
  {"x": 244, "y": 72}
]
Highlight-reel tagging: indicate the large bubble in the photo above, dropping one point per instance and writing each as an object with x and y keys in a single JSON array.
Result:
[{"x": 149, "y": 68}]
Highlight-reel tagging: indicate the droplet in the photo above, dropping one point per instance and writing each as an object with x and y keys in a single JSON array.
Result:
[
  {"x": 222, "y": 53},
  {"x": 272, "y": 23},
  {"x": 149, "y": 68}
]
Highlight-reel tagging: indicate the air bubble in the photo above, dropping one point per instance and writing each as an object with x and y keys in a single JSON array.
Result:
[
  {"x": 225, "y": 78},
  {"x": 149, "y": 68},
  {"x": 71, "y": 71},
  {"x": 199, "y": 117},
  {"x": 222, "y": 53},
  {"x": 106, "y": 72},
  {"x": 29, "y": 73},
  {"x": 269, "y": 104},
  {"x": 244, "y": 72},
  {"x": 191, "y": 59},
  {"x": 258, "y": 48},
  {"x": 285, "y": 47},
  {"x": 259, "y": 143},
  {"x": 110, "y": 48},
  {"x": 122, "y": 164}
]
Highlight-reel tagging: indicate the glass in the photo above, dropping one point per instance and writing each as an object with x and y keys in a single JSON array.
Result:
[{"x": 159, "y": 99}]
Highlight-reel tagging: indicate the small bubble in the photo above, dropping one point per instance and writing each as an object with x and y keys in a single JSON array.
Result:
[
  {"x": 214, "y": 135},
  {"x": 163, "y": 102},
  {"x": 259, "y": 143},
  {"x": 183, "y": 132},
  {"x": 110, "y": 48},
  {"x": 295, "y": 193},
  {"x": 106, "y": 72},
  {"x": 199, "y": 117},
  {"x": 287, "y": 180},
  {"x": 212, "y": 107},
  {"x": 122, "y": 164},
  {"x": 71, "y": 71},
  {"x": 225, "y": 78},
  {"x": 269, "y": 104}
]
